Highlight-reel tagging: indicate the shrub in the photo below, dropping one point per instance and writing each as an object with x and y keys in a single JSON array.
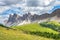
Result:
[
  {"x": 52, "y": 24},
  {"x": 45, "y": 34}
]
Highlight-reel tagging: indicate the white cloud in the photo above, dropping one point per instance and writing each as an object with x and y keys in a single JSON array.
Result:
[
  {"x": 38, "y": 6},
  {"x": 35, "y": 3},
  {"x": 57, "y": 2},
  {"x": 3, "y": 18},
  {"x": 3, "y": 8},
  {"x": 42, "y": 7},
  {"x": 9, "y": 2}
]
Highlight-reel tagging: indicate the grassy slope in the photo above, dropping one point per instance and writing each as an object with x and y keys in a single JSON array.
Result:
[
  {"x": 18, "y": 35},
  {"x": 34, "y": 27}
]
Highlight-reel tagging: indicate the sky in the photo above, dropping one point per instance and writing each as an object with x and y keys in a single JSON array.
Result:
[{"x": 23, "y": 6}]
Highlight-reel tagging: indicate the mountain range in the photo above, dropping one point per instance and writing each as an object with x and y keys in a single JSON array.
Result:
[{"x": 16, "y": 19}]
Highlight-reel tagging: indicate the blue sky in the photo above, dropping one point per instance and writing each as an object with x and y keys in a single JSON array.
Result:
[{"x": 34, "y": 6}]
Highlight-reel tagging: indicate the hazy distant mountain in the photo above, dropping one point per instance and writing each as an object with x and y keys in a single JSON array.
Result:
[{"x": 16, "y": 19}]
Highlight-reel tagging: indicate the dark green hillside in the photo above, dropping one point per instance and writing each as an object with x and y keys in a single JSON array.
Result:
[{"x": 53, "y": 25}]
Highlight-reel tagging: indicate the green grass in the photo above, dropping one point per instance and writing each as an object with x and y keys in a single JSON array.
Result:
[
  {"x": 18, "y": 35},
  {"x": 32, "y": 31},
  {"x": 35, "y": 27}
]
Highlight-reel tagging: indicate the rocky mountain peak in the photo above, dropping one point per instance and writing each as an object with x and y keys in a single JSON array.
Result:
[{"x": 16, "y": 19}]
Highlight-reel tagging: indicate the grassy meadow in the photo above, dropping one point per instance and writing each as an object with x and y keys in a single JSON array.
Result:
[{"x": 33, "y": 31}]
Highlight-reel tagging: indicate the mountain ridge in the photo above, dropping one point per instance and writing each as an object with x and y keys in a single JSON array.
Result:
[{"x": 16, "y": 19}]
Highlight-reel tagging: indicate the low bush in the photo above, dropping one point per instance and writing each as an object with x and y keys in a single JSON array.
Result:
[
  {"x": 45, "y": 34},
  {"x": 53, "y": 25}
]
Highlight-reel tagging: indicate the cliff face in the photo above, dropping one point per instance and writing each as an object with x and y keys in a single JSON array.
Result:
[{"x": 16, "y": 19}]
